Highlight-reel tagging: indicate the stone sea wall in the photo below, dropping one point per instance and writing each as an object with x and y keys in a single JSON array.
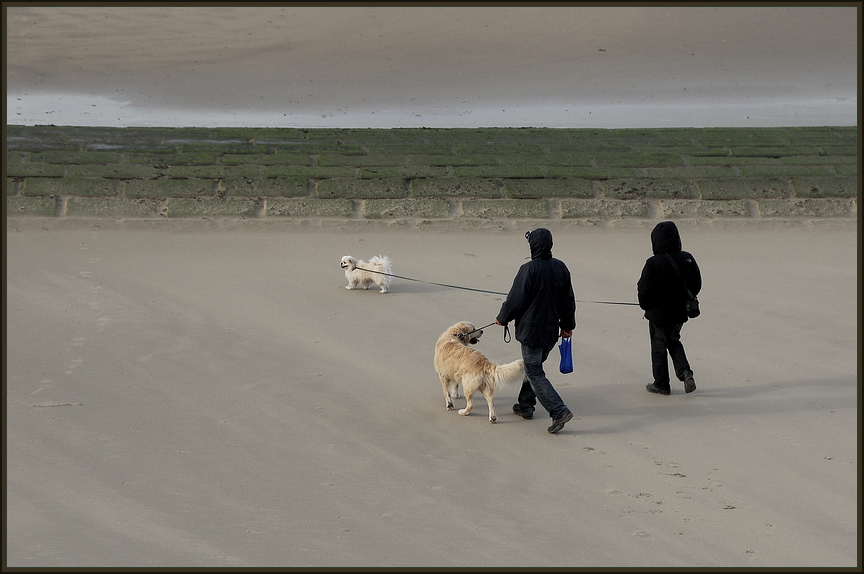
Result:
[{"x": 425, "y": 175}]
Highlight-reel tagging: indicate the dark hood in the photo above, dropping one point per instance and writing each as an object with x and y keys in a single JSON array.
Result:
[
  {"x": 665, "y": 238},
  {"x": 540, "y": 241}
]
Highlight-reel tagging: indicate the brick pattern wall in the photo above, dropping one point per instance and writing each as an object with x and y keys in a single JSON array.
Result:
[{"x": 432, "y": 174}]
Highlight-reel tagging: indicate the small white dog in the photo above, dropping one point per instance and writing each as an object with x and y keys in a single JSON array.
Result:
[
  {"x": 457, "y": 363},
  {"x": 378, "y": 271}
]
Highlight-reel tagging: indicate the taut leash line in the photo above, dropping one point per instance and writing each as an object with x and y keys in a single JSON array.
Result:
[
  {"x": 483, "y": 290},
  {"x": 431, "y": 283}
]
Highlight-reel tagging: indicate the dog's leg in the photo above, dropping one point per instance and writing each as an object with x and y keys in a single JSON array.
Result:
[
  {"x": 469, "y": 404},
  {"x": 487, "y": 393},
  {"x": 383, "y": 282},
  {"x": 448, "y": 400}
]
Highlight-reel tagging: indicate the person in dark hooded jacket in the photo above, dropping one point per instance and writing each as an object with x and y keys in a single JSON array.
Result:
[
  {"x": 542, "y": 304},
  {"x": 663, "y": 296}
]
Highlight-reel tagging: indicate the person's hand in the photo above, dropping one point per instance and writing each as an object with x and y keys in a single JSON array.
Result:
[
  {"x": 497, "y": 323},
  {"x": 566, "y": 334}
]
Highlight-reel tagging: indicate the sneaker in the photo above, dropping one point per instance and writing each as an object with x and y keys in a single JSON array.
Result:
[
  {"x": 526, "y": 415},
  {"x": 558, "y": 424},
  {"x": 689, "y": 383},
  {"x": 652, "y": 388}
]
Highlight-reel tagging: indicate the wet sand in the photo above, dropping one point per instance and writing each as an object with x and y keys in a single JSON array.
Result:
[{"x": 433, "y": 66}]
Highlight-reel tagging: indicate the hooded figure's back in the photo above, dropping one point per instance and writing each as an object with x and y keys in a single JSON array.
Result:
[
  {"x": 661, "y": 292},
  {"x": 541, "y": 300}
]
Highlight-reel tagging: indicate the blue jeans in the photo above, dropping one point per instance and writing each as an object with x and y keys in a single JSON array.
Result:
[
  {"x": 536, "y": 386},
  {"x": 665, "y": 345}
]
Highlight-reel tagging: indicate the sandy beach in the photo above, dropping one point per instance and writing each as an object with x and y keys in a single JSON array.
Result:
[
  {"x": 192, "y": 394},
  {"x": 209, "y": 396},
  {"x": 433, "y": 66}
]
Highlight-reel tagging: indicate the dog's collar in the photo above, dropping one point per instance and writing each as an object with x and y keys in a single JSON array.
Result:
[{"x": 479, "y": 329}]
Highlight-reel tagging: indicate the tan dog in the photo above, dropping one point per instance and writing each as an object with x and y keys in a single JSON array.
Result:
[
  {"x": 458, "y": 363},
  {"x": 378, "y": 271}
]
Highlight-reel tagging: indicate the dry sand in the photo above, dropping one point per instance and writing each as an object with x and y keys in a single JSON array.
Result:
[{"x": 211, "y": 397}]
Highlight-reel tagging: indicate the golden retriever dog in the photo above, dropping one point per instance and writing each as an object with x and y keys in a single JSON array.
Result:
[
  {"x": 458, "y": 363},
  {"x": 378, "y": 271}
]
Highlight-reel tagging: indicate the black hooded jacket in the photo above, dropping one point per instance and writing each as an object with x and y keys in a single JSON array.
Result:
[
  {"x": 541, "y": 300},
  {"x": 660, "y": 290}
]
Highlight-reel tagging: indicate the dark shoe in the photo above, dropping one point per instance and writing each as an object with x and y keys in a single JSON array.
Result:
[
  {"x": 518, "y": 410},
  {"x": 652, "y": 388},
  {"x": 689, "y": 383},
  {"x": 558, "y": 424}
]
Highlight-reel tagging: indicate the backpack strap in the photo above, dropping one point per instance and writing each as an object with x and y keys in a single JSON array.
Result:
[{"x": 678, "y": 272}]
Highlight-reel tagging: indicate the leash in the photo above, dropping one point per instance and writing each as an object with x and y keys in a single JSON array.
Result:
[
  {"x": 506, "y": 332},
  {"x": 431, "y": 283},
  {"x": 483, "y": 290}
]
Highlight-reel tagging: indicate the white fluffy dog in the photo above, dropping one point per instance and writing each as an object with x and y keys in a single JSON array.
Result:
[
  {"x": 378, "y": 271},
  {"x": 457, "y": 363}
]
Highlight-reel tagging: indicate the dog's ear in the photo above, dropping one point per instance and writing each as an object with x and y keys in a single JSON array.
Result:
[{"x": 459, "y": 330}]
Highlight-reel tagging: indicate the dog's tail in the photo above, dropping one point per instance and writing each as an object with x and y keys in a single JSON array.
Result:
[
  {"x": 386, "y": 266},
  {"x": 509, "y": 373},
  {"x": 384, "y": 261}
]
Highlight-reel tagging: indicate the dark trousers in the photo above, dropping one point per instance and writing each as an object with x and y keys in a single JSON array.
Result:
[
  {"x": 536, "y": 386},
  {"x": 667, "y": 339}
]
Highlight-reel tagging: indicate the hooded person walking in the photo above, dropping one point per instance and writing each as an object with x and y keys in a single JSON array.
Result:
[
  {"x": 542, "y": 304},
  {"x": 662, "y": 292}
]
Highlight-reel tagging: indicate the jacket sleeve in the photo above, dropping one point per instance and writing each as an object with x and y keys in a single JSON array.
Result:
[
  {"x": 514, "y": 305},
  {"x": 694, "y": 277},
  {"x": 567, "y": 307},
  {"x": 645, "y": 288}
]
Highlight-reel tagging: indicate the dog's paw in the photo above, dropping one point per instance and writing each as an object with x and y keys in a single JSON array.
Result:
[
  {"x": 449, "y": 406},
  {"x": 493, "y": 420},
  {"x": 462, "y": 412}
]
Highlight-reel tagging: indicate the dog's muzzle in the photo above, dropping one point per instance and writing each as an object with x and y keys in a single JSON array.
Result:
[{"x": 471, "y": 340}]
